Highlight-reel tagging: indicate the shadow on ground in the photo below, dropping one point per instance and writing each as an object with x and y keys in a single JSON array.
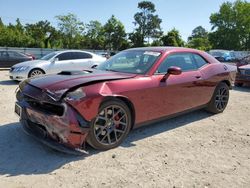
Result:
[
  {"x": 9, "y": 82},
  {"x": 20, "y": 154}
]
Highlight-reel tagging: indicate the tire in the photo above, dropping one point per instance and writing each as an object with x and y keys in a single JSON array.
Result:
[
  {"x": 238, "y": 84},
  {"x": 111, "y": 125},
  {"x": 35, "y": 72},
  {"x": 220, "y": 99}
]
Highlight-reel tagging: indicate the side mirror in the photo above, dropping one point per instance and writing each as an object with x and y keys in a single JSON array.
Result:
[
  {"x": 171, "y": 70},
  {"x": 55, "y": 59},
  {"x": 174, "y": 70}
]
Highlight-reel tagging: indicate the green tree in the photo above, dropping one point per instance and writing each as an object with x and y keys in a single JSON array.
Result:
[
  {"x": 114, "y": 33},
  {"x": 172, "y": 38},
  {"x": 43, "y": 34},
  {"x": 72, "y": 29},
  {"x": 231, "y": 26},
  {"x": 147, "y": 24},
  {"x": 199, "y": 39},
  {"x": 94, "y": 38}
]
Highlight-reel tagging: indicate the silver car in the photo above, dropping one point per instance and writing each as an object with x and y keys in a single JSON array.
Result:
[{"x": 55, "y": 62}]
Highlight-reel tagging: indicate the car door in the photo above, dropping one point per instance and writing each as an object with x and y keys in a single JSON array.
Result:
[
  {"x": 15, "y": 57},
  {"x": 178, "y": 92},
  {"x": 4, "y": 59},
  {"x": 61, "y": 62},
  {"x": 82, "y": 60}
]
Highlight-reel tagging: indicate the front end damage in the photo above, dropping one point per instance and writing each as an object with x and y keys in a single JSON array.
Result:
[{"x": 54, "y": 123}]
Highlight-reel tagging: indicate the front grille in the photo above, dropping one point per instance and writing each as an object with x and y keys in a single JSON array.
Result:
[
  {"x": 247, "y": 71},
  {"x": 48, "y": 108}
]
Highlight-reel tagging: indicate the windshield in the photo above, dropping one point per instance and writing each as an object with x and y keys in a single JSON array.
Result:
[
  {"x": 133, "y": 61},
  {"x": 49, "y": 56}
]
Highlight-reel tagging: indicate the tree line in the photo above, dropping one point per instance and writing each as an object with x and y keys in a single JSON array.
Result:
[{"x": 230, "y": 30}]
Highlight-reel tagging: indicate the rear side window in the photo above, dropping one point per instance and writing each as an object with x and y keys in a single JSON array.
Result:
[
  {"x": 65, "y": 56},
  {"x": 199, "y": 60},
  {"x": 82, "y": 55}
]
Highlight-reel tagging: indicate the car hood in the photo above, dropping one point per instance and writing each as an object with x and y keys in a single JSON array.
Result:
[
  {"x": 57, "y": 85},
  {"x": 29, "y": 63},
  {"x": 245, "y": 67}
]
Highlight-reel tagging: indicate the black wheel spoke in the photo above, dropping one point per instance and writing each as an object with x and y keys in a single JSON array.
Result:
[{"x": 110, "y": 124}]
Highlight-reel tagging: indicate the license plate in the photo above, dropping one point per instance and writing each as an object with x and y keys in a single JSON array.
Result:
[{"x": 18, "y": 110}]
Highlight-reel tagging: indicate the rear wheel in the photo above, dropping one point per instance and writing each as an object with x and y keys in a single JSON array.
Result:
[
  {"x": 220, "y": 98},
  {"x": 111, "y": 125},
  {"x": 35, "y": 72}
]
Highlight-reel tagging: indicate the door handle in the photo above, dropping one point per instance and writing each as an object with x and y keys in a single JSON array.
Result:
[{"x": 198, "y": 77}]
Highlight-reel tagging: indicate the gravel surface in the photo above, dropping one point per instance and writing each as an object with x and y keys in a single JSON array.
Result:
[{"x": 194, "y": 150}]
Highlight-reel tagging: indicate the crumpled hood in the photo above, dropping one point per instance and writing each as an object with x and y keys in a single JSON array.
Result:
[{"x": 57, "y": 85}]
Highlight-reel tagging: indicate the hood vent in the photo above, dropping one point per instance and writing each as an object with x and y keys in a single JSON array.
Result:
[{"x": 75, "y": 72}]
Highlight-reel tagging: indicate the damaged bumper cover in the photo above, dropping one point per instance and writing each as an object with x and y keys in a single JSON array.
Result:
[{"x": 66, "y": 132}]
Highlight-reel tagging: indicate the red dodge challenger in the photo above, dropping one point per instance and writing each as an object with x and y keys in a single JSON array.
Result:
[{"x": 99, "y": 106}]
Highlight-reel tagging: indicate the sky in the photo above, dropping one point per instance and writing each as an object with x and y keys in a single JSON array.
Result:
[{"x": 183, "y": 15}]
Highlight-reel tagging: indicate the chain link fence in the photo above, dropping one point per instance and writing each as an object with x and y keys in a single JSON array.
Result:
[{"x": 40, "y": 52}]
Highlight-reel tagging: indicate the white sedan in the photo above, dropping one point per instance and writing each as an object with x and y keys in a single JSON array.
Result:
[{"x": 55, "y": 62}]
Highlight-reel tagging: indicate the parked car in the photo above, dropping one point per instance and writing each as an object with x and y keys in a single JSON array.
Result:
[
  {"x": 223, "y": 55},
  {"x": 55, "y": 62},
  {"x": 133, "y": 88},
  {"x": 10, "y": 58},
  {"x": 30, "y": 55},
  {"x": 243, "y": 75},
  {"x": 243, "y": 61}
]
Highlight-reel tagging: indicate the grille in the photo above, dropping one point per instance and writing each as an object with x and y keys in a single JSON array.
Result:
[
  {"x": 247, "y": 71},
  {"x": 45, "y": 107}
]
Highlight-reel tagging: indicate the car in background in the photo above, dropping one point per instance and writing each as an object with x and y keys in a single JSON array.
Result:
[
  {"x": 30, "y": 55},
  {"x": 10, "y": 58},
  {"x": 243, "y": 61},
  {"x": 243, "y": 75},
  {"x": 133, "y": 88},
  {"x": 223, "y": 55},
  {"x": 55, "y": 62}
]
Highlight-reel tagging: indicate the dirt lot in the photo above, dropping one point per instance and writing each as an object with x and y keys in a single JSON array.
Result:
[{"x": 194, "y": 150}]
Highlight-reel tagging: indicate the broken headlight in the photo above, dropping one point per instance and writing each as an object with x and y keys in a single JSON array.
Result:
[{"x": 76, "y": 95}]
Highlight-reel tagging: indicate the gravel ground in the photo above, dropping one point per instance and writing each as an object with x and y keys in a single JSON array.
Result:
[{"x": 194, "y": 150}]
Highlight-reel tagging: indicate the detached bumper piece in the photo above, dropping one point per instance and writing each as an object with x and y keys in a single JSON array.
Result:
[{"x": 41, "y": 135}]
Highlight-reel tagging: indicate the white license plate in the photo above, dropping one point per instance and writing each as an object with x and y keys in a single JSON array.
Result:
[{"x": 18, "y": 110}]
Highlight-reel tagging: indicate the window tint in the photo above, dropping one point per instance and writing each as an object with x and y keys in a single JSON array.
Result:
[
  {"x": 182, "y": 60},
  {"x": 65, "y": 56},
  {"x": 82, "y": 55},
  {"x": 15, "y": 54},
  {"x": 199, "y": 60}
]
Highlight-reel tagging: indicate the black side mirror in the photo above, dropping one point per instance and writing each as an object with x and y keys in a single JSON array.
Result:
[{"x": 171, "y": 70}]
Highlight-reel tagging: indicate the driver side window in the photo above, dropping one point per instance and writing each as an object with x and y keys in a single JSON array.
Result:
[{"x": 182, "y": 60}]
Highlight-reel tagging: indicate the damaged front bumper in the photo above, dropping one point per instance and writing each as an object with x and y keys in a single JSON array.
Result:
[{"x": 66, "y": 133}]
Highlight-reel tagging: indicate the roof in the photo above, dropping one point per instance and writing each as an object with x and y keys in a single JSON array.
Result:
[{"x": 165, "y": 48}]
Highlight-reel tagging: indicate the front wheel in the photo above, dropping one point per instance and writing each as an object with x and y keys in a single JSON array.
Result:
[
  {"x": 111, "y": 125},
  {"x": 220, "y": 99},
  {"x": 35, "y": 72}
]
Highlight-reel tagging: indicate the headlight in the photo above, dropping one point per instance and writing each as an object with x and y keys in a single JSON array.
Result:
[
  {"x": 75, "y": 95},
  {"x": 17, "y": 69}
]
